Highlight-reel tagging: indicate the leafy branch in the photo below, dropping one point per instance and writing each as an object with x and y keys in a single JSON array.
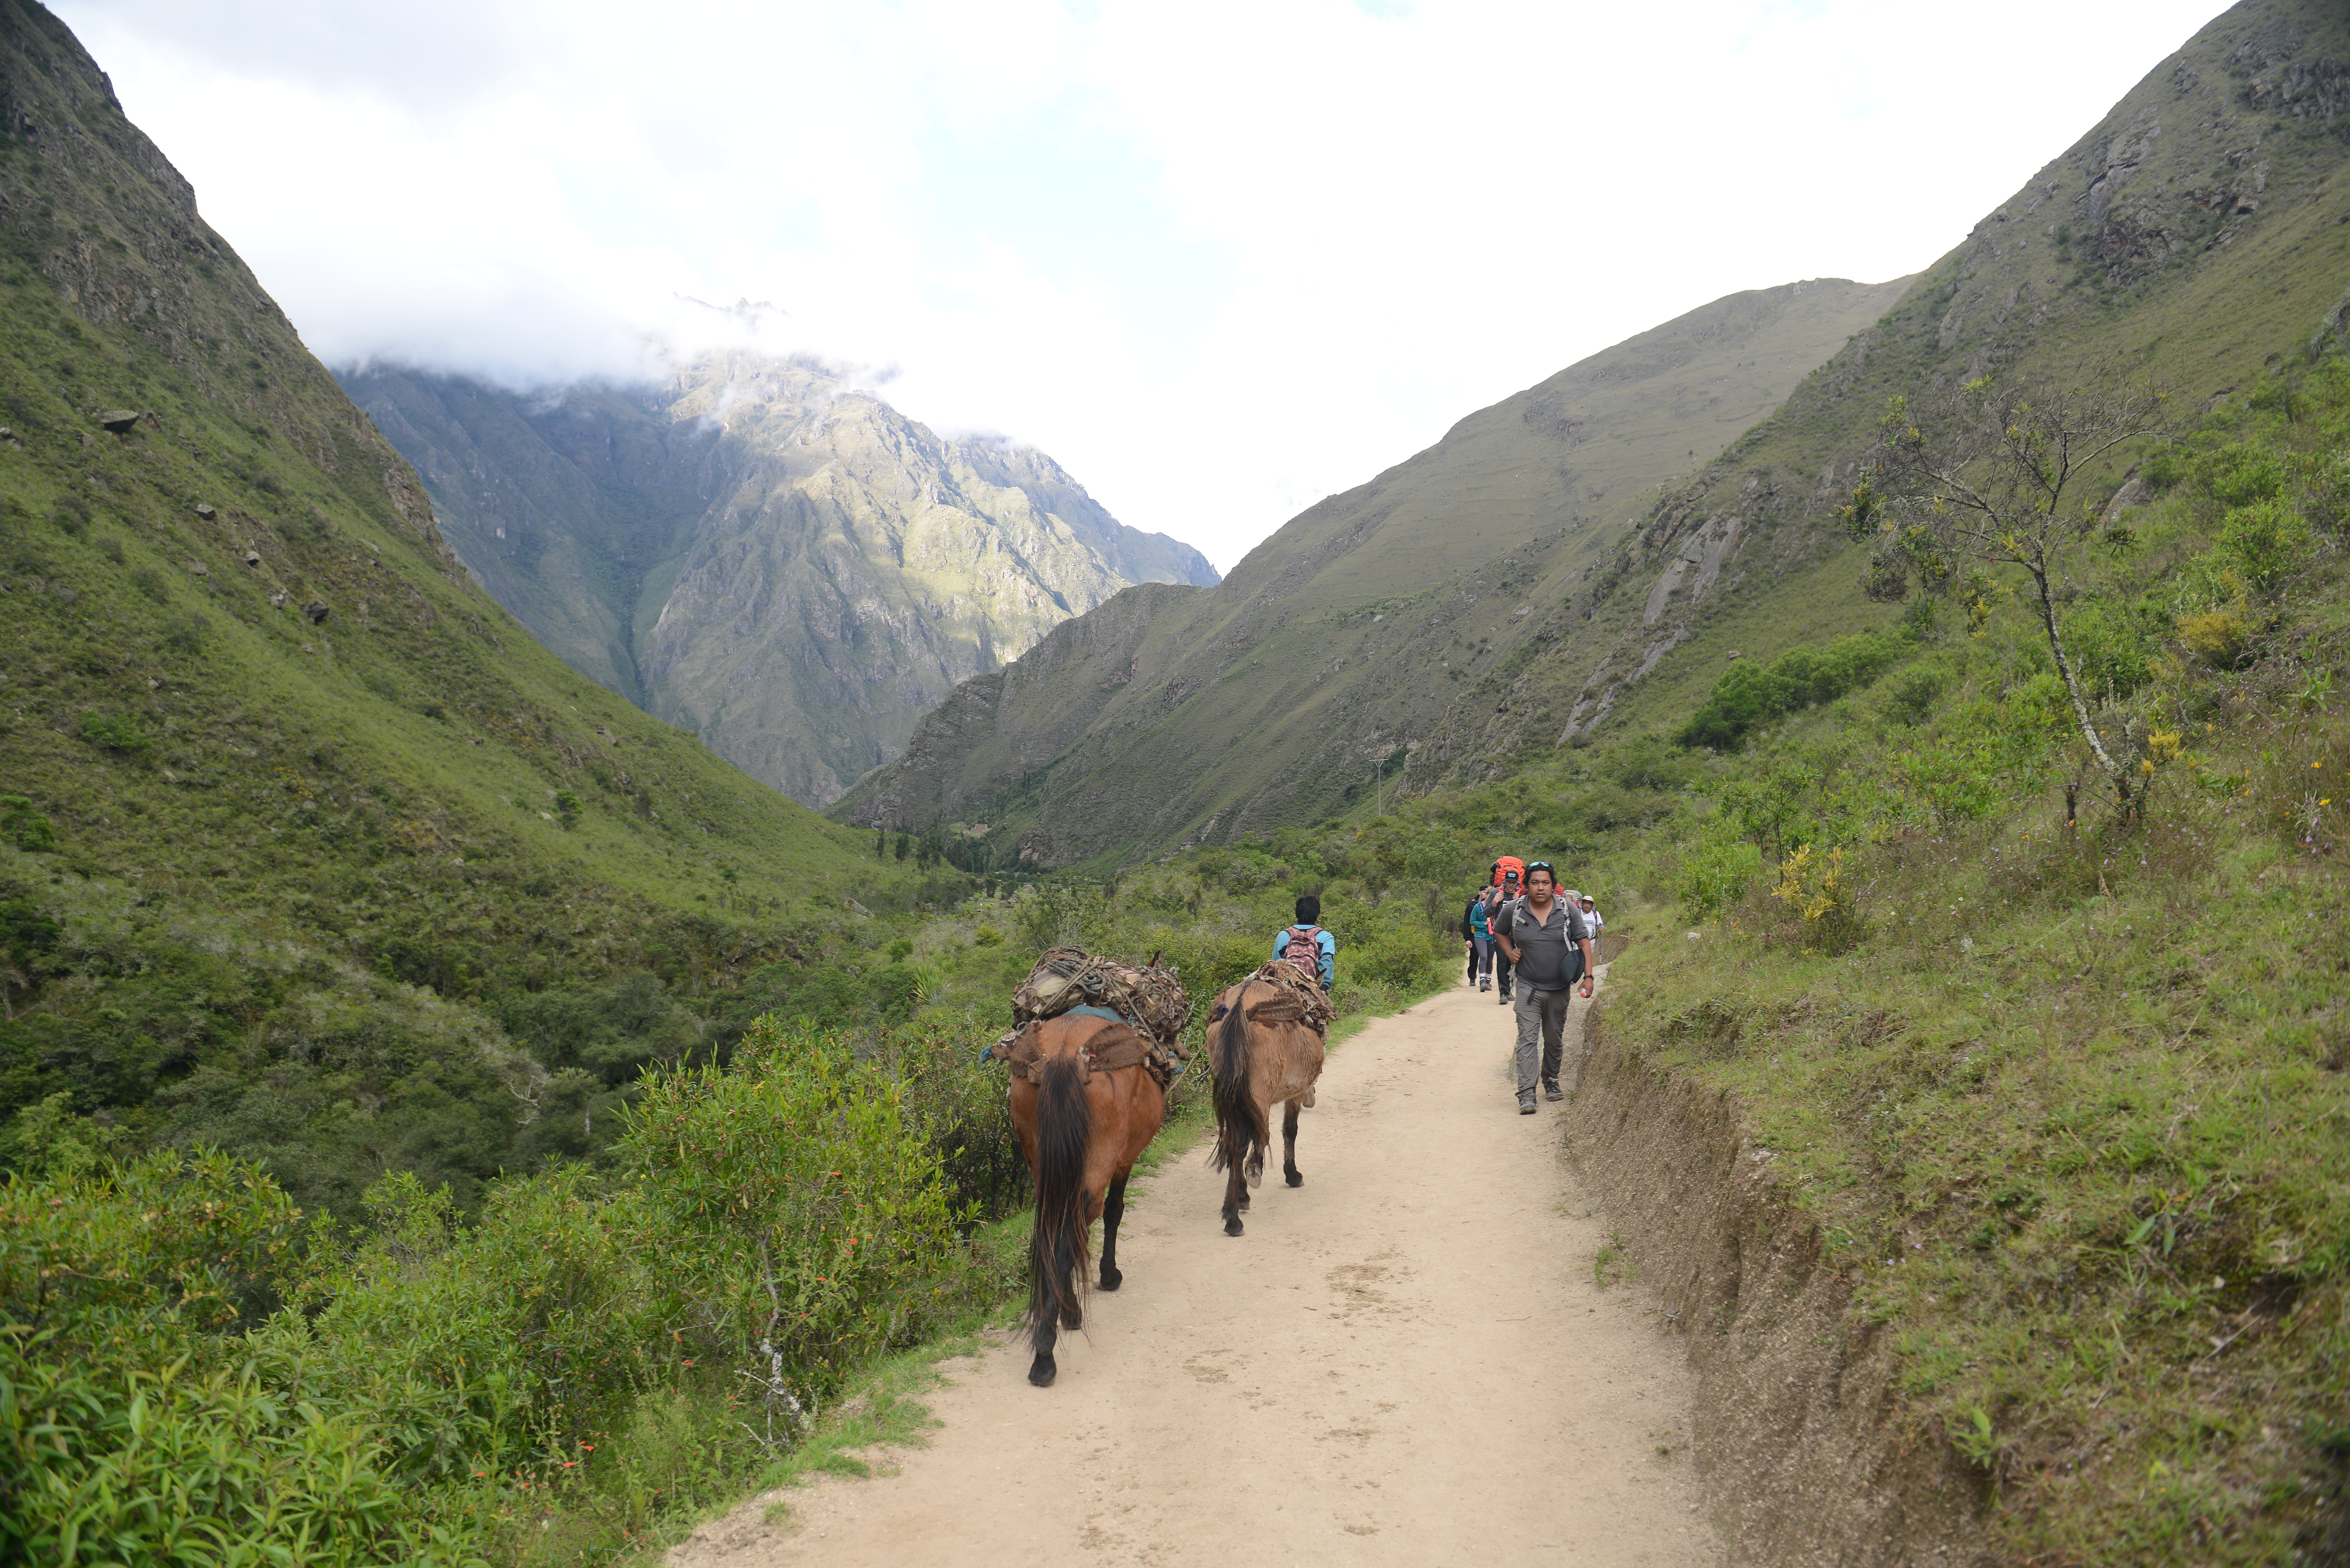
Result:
[{"x": 1987, "y": 474}]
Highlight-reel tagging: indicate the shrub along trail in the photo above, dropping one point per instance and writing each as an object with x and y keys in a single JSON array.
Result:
[{"x": 1406, "y": 1360}]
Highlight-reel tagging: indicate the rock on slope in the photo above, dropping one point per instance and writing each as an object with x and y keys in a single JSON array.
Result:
[
  {"x": 1174, "y": 713},
  {"x": 755, "y": 550}
]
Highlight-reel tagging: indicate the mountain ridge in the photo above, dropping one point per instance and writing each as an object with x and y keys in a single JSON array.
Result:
[
  {"x": 754, "y": 548},
  {"x": 2190, "y": 229},
  {"x": 1538, "y": 477}
]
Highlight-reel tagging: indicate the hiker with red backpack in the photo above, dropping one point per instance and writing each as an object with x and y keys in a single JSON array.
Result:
[
  {"x": 1307, "y": 945},
  {"x": 1502, "y": 884},
  {"x": 1545, "y": 936}
]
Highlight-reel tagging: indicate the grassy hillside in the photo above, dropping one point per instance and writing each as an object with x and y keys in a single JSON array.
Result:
[
  {"x": 1339, "y": 646},
  {"x": 752, "y": 548},
  {"x": 314, "y": 852},
  {"x": 2060, "y": 1106}
]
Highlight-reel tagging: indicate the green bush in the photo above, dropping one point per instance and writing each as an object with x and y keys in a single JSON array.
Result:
[
  {"x": 2263, "y": 544},
  {"x": 1714, "y": 875},
  {"x": 116, "y": 733},
  {"x": 136, "y": 1425},
  {"x": 27, "y": 829},
  {"x": 1401, "y": 956},
  {"x": 2242, "y": 475},
  {"x": 1913, "y": 695},
  {"x": 1062, "y": 914},
  {"x": 179, "y": 1383},
  {"x": 802, "y": 1201},
  {"x": 1751, "y": 694}
]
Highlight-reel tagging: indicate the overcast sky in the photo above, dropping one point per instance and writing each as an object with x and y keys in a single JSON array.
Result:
[{"x": 1220, "y": 260}]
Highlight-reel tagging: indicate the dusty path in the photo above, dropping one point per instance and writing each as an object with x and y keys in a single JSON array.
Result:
[{"x": 1405, "y": 1361}]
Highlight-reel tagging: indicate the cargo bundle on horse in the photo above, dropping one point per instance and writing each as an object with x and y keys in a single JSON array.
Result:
[
  {"x": 1093, "y": 1049},
  {"x": 1271, "y": 1033}
]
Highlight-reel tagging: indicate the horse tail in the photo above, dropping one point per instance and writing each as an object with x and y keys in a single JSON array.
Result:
[
  {"x": 1241, "y": 1128},
  {"x": 1060, "y": 1246}
]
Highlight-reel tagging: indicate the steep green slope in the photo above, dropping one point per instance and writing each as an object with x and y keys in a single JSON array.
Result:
[
  {"x": 754, "y": 550},
  {"x": 312, "y": 850},
  {"x": 1275, "y": 697}
]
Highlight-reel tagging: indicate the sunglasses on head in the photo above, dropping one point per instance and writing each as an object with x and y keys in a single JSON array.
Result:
[{"x": 1534, "y": 866}]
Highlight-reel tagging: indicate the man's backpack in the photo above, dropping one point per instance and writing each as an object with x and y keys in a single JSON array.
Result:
[
  {"x": 1304, "y": 949},
  {"x": 1509, "y": 863}
]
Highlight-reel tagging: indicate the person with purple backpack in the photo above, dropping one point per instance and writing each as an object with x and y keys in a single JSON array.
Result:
[{"x": 1307, "y": 945}]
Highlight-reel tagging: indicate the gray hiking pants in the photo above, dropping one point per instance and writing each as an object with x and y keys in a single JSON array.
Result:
[{"x": 1541, "y": 1012}]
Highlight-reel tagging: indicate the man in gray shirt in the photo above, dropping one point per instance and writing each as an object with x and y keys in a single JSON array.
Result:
[{"x": 1547, "y": 941}]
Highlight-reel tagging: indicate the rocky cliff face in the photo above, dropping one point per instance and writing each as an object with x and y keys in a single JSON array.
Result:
[{"x": 755, "y": 550}]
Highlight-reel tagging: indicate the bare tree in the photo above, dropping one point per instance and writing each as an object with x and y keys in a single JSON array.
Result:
[{"x": 1986, "y": 474}]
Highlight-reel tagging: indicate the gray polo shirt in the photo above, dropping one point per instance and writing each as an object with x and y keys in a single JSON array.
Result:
[{"x": 1551, "y": 961}]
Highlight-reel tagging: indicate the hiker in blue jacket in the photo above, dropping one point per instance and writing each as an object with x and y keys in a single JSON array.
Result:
[
  {"x": 1477, "y": 931},
  {"x": 1307, "y": 945}
]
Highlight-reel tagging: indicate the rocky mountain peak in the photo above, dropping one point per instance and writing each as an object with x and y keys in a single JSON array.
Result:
[{"x": 760, "y": 549}]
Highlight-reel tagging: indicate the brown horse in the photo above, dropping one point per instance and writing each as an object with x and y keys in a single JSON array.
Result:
[
  {"x": 1082, "y": 1128},
  {"x": 1258, "y": 1062}
]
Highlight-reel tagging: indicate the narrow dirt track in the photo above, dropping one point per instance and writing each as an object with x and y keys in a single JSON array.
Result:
[{"x": 1405, "y": 1361}]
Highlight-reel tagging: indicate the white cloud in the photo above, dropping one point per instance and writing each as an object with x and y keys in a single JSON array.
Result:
[{"x": 1219, "y": 258}]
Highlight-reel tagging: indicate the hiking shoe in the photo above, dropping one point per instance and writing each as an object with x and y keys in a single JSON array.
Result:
[
  {"x": 1551, "y": 1091},
  {"x": 1484, "y": 982},
  {"x": 1525, "y": 1105}
]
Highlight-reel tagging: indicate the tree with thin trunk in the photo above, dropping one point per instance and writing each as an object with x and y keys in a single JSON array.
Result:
[{"x": 1987, "y": 474}]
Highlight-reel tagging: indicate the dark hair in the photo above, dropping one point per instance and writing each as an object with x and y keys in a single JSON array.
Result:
[
  {"x": 1545, "y": 868},
  {"x": 1309, "y": 909}
]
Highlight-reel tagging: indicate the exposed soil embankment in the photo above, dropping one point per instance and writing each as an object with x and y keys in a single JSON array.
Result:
[{"x": 1806, "y": 1454}]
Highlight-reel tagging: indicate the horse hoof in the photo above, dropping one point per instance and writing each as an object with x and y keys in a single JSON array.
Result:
[
  {"x": 1295, "y": 1178},
  {"x": 1233, "y": 1226},
  {"x": 1111, "y": 1278},
  {"x": 1043, "y": 1372},
  {"x": 1073, "y": 1319}
]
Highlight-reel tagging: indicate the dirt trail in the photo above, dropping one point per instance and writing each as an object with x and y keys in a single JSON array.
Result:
[{"x": 1405, "y": 1361}]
